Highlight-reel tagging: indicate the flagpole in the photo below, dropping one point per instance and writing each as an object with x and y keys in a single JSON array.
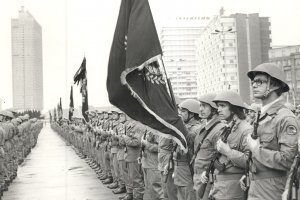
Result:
[{"x": 169, "y": 84}]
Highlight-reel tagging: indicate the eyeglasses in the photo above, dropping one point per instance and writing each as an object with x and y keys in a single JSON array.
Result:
[{"x": 258, "y": 82}]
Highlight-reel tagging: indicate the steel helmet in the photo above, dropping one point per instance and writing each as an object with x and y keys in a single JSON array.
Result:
[
  {"x": 231, "y": 97},
  {"x": 208, "y": 98},
  {"x": 272, "y": 70},
  {"x": 191, "y": 105},
  {"x": 7, "y": 114}
]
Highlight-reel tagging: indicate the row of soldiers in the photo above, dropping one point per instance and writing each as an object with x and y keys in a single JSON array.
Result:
[
  {"x": 234, "y": 152},
  {"x": 18, "y": 135}
]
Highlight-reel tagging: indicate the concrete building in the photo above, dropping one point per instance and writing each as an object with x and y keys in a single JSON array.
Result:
[
  {"x": 27, "y": 62},
  {"x": 178, "y": 38},
  {"x": 228, "y": 48},
  {"x": 288, "y": 58}
]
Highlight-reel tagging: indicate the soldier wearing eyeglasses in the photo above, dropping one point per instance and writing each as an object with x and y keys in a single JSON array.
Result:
[{"x": 274, "y": 150}]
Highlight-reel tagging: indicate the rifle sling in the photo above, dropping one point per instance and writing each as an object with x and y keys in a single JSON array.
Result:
[{"x": 206, "y": 134}]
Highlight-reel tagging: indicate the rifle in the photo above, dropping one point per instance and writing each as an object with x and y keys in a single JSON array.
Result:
[
  {"x": 170, "y": 163},
  {"x": 249, "y": 160},
  {"x": 210, "y": 170},
  {"x": 294, "y": 181},
  {"x": 141, "y": 153}
]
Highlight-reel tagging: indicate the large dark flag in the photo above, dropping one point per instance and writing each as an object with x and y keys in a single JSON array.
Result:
[
  {"x": 135, "y": 81},
  {"x": 71, "y": 106},
  {"x": 80, "y": 77}
]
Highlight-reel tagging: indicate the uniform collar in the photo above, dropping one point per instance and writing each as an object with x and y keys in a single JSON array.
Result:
[{"x": 273, "y": 107}]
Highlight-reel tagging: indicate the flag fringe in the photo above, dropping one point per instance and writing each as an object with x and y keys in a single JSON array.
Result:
[{"x": 136, "y": 96}]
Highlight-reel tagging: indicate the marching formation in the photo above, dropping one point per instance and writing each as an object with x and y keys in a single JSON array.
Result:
[
  {"x": 234, "y": 152},
  {"x": 18, "y": 135}
]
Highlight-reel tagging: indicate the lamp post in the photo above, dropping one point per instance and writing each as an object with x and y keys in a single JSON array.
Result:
[{"x": 223, "y": 32}]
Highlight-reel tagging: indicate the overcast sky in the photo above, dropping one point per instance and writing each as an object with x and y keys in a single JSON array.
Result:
[{"x": 74, "y": 28}]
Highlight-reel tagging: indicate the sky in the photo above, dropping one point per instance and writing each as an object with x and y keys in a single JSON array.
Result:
[{"x": 73, "y": 29}]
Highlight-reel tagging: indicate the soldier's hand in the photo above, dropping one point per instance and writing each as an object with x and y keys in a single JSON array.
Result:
[
  {"x": 242, "y": 183},
  {"x": 223, "y": 148},
  {"x": 252, "y": 143},
  {"x": 204, "y": 178}
]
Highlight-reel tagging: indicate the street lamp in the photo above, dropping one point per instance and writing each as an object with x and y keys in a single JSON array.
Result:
[{"x": 223, "y": 32}]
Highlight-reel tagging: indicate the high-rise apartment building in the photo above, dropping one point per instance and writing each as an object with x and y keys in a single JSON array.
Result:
[
  {"x": 288, "y": 58},
  {"x": 228, "y": 48},
  {"x": 27, "y": 62},
  {"x": 178, "y": 38}
]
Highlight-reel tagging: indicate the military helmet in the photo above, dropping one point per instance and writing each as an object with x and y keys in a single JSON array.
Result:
[
  {"x": 7, "y": 114},
  {"x": 208, "y": 98},
  {"x": 191, "y": 105},
  {"x": 231, "y": 97},
  {"x": 19, "y": 119},
  {"x": 272, "y": 70}
]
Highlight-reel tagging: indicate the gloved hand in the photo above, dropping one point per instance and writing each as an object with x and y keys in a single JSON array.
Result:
[
  {"x": 223, "y": 148},
  {"x": 253, "y": 144},
  {"x": 204, "y": 178}
]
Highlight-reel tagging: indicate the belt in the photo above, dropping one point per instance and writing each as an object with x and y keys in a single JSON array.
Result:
[
  {"x": 228, "y": 177},
  {"x": 267, "y": 174},
  {"x": 181, "y": 163}
]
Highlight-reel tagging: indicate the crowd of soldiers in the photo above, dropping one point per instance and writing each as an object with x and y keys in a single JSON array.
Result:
[
  {"x": 234, "y": 152},
  {"x": 18, "y": 135}
]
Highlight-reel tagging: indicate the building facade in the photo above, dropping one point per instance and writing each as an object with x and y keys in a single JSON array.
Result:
[
  {"x": 228, "y": 48},
  {"x": 178, "y": 38},
  {"x": 27, "y": 62},
  {"x": 288, "y": 58}
]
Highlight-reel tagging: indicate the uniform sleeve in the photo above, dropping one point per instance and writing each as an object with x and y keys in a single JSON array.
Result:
[
  {"x": 239, "y": 157},
  {"x": 152, "y": 147},
  {"x": 132, "y": 141},
  {"x": 287, "y": 133}
]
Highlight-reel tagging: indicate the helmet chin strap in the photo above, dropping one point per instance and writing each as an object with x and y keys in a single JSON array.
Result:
[{"x": 268, "y": 91}]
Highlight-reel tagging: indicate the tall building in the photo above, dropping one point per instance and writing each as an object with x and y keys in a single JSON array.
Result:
[
  {"x": 178, "y": 38},
  {"x": 228, "y": 48},
  {"x": 27, "y": 62},
  {"x": 288, "y": 58}
]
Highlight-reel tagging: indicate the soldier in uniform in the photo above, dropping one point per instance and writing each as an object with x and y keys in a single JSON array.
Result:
[
  {"x": 205, "y": 138},
  {"x": 183, "y": 172},
  {"x": 274, "y": 150},
  {"x": 149, "y": 163},
  {"x": 121, "y": 129},
  {"x": 165, "y": 149},
  {"x": 114, "y": 149},
  {"x": 135, "y": 188},
  {"x": 230, "y": 166}
]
